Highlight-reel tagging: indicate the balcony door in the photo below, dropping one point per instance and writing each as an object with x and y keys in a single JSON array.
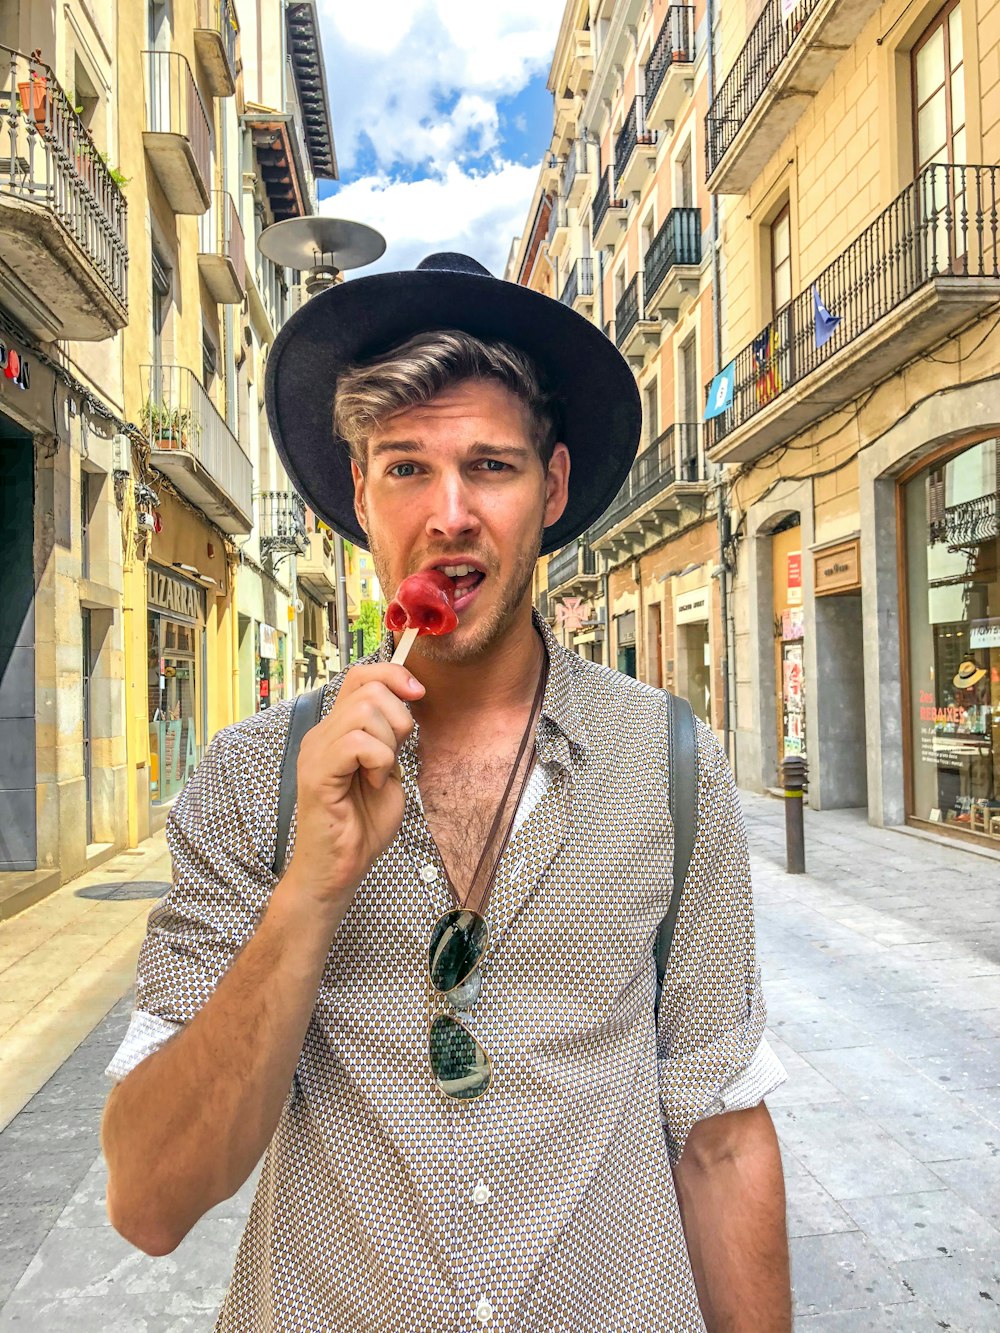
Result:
[
  {"x": 690, "y": 398},
  {"x": 937, "y": 73}
]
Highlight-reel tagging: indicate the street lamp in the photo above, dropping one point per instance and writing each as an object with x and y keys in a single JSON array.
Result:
[{"x": 321, "y": 248}]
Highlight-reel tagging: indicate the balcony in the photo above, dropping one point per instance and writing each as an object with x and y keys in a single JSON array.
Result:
[
  {"x": 669, "y": 70},
  {"x": 63, "y": 242},
  {"x": 222, "y": 259},
  {"x": 558, "y": 233},
  {"x": 665, "y": 489},
  {"x": 608, "y": 215},
  {"x": 781, "y": 67},
  {"x": 192, "y": 445},
  {"x": 564, "y": 128},
  {"x": 611, "y": 56},
  {"x": 576, "y": 174},
  {"x": 315, "y": 569},
  {"x": 573, "y": 571},
  {"x": 578, "y": 289},
  {"x": 281, "y": 517},
  {"x": 215, "y": 43},
  {"x": 927, "y": 265},
  {"x": 635, "y": 335},
  {"x": 673, "y": 263},
  {"x": 177, "y": 139},
  {"x": 635, "y": 152},
  {"x": 582, "y": 64}
]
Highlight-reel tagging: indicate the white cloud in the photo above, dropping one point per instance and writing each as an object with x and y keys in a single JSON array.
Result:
[
  {"x": 476, "y": 214},
  {"x": 422, "y": 78}
]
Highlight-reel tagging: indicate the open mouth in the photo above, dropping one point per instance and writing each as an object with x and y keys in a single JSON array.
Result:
[{"x": 466, "y": 579}]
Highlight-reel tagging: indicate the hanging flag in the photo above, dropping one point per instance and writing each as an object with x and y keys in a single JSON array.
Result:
[
  {"x": 826, "y": 324},
  {"x": 720, "y": 392},
  {"x": 765, "y": 355}
]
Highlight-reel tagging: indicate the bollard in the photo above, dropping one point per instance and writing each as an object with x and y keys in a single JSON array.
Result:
[{"x": 794, "y": 779}]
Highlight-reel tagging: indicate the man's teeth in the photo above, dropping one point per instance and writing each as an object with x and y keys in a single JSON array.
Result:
[{"x": 457, "y": 571}]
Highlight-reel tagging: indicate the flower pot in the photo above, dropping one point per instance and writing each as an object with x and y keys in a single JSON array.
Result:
[
  {"x": 34, "y": 99},
  {"x": 166, "y": 440}
]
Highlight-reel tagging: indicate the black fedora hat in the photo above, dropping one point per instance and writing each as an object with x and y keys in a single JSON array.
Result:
[{"x": 599, "y": 409}]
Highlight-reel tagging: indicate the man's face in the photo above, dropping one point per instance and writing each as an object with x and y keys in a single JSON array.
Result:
[{"x": 458, "y": 481}]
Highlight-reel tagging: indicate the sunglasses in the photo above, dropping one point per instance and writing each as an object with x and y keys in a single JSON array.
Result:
[{"x": 459, "y": 942}]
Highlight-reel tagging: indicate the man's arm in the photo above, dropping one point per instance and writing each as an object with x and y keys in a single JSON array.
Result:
[{"x": 732, "y": 1197}]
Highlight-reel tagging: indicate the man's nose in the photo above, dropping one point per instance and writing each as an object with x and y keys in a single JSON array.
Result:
[{"x": 452, "y": 515}]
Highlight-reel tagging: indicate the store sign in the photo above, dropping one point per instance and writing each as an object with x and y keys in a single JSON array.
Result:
[
  {"x": 838, "y": 569},
  {"x": 268, "y": 641},
  {"x": 985, "y": 634},
  {"x": 14, "y": 366},
  {"x": 794, "y": 578},
  {"x": 172, "y": 594},
  {"x": 692, "y": 606}
]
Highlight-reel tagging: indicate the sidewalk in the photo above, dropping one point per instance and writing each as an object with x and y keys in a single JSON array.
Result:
[{"x": 882, "y": 974}]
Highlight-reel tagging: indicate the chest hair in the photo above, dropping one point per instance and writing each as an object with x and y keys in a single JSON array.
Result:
[{"x": 460, "y": 792}]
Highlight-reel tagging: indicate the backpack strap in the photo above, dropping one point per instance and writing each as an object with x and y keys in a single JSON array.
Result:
[
  {"x": 682, "y": 750},
  {"x": 306, "y": 710}
]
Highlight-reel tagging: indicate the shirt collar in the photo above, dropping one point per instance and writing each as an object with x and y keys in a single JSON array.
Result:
[{"x": 562, "y": 735}]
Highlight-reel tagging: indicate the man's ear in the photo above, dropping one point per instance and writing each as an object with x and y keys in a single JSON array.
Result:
[
  {"x": 359, "y": 495},
  {"x": 556, "y": 485}
]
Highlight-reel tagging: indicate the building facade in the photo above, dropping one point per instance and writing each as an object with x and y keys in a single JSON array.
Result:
[{"x": 861, "y": 282}]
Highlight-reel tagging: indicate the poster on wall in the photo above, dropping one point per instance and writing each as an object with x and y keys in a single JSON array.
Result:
[
  {"x": 795, "y": 578},
  {"x": 793, "y": 706}
]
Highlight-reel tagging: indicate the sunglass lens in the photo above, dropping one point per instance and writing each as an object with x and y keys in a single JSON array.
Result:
[
  {"x": 460, "y": 1066},
  {"x": 458, "y": 942}
]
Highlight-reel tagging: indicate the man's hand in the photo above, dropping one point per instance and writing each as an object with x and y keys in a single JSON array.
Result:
[{"x": 350, "y": 796}]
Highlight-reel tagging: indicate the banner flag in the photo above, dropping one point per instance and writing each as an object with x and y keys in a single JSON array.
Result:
[
  {"x": 765, "y": 355},
  {"x": 720, "y": 392},
  {"x": 826, "y": 324}
]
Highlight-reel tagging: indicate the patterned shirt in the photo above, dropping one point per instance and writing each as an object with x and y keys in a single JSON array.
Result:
[{"x": 548, "y": 1205}]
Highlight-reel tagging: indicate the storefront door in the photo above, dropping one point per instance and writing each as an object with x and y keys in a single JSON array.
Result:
[{"x": 175, "y": 675}]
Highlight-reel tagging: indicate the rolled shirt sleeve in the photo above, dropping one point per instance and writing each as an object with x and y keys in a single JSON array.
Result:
[
  {"x": 220, "y": 886},
  {"x": 710, "y": 1038}
]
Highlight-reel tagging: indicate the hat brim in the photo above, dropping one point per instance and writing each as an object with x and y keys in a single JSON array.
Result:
[{"x": 600, "y": 412}]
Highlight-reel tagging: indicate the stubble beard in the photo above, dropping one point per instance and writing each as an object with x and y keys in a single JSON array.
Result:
[{"x": 469, "y": 645}]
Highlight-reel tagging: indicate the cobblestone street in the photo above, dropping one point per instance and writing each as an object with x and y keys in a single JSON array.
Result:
[{"x": 882, "y": 974}]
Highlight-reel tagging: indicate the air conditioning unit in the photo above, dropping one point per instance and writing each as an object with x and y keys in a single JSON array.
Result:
[{"x": 121, "y": 454}]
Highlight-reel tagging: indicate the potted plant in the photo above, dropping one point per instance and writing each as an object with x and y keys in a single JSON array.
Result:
[
  {"x": 34, "y": 93},
  {"x": 158, "y": 420}
]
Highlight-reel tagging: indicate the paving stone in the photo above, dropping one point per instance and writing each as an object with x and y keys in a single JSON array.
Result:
[
  {"x": 841, "y": 1272},
  {"x": 927, "y": 1225},
  {"x": 913, "y": 1317},
  {"x": 811, "y": 1211},
  {"x": 977, "y": 1181},
  {"x": 962, "y": 1289}
]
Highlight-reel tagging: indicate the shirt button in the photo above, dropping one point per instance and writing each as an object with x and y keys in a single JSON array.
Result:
[
  {"x": 481, "y": 1194},
  {"x": 484, "y": 1311},
  {"x": 428, "y": 874}
]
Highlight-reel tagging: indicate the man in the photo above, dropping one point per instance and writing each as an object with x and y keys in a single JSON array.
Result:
[{"x": 554, "y": 1161}]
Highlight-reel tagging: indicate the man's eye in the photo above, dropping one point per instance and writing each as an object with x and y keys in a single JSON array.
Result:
[
  {"x": 494, "y": 465},
  {"x": 394, "y": 471}
]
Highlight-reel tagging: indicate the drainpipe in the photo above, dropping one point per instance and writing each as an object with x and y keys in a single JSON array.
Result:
[
  {"x": 343, "y": 623},
  {"x": 599, "y": 306},
  {"x": 722, "y": 513}
]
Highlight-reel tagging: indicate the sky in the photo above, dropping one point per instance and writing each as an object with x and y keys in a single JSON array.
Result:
[{"x": 441, "y": 117}]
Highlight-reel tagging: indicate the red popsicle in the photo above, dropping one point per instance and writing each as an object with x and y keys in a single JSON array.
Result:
[{"x": 422, "y": 605}]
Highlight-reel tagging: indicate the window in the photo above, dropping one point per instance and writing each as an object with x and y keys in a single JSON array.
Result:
[
  {"x": 938, "y": 87},
  {"x": 159, "y": 310},
  {"x": 650, "y": 411},
  {"x": 689, "y": 396},
  {"x": 683, "y": 179},
  {"x": 646, "y": 235},
  {"x": 209, "y": 361},
  {"x": 781, "y": 261}
]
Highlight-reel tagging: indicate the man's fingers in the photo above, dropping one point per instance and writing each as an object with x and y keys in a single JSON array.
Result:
[
  {"x": 360, "y": 750},
  {"x": 396, "y": 679}
]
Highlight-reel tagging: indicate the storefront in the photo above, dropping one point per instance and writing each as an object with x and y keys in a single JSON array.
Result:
[
  {"x": 952, "y": 641},
  {"x": 176, "y": 675},
  {"x": 789, "y": 639},
  {"x": 271, "y": 664},
  {"x": 692, "y": 646}
]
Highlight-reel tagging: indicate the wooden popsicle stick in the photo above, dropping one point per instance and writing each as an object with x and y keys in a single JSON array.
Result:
[{"x": 404, "y": 645}]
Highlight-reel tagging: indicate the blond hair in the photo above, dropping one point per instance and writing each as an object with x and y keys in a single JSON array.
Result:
[{"x": 422, "y": 367}]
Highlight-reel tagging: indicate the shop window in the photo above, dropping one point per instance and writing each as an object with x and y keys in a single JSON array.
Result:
[
  {"x": 953, "y": 645},
  {"x": 625, "y": 643},
  {"x": 176, "y": 731}
]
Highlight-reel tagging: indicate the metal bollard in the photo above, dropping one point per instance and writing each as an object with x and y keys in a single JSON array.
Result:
[{"x": 794, "y": 779}]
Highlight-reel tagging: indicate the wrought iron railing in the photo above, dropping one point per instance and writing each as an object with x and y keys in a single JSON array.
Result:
[
  {"x": 677, "y": 242},
  {"x": 220, "y": 16},
  {"x": 603, "y": 200},
  {"x": 627, "y": 311},
  {"x": 48, "y": 157},
  {"x": 576, "y": 163},
  {"x": 632, "y": 132},
  {"x": 655, "y": 468},
  {"x": 967, "y": 524},
  {"x": 674, "y": 46},
  {"x": 178, "y": 414},
  {"x": 580, "y": 281},
  {"x": 281, "y": 516},
  {"x": 220, "y": 232},
  {"x": 174, "y": 105},
  {"x": 770, "y": 40},
  {"x": 943, "y": 225},
  {"x": 570, "y": 563},
  {"x": 557, "y": 216}
]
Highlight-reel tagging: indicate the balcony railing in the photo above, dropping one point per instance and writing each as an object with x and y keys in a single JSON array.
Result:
[
  {"x": 282, "y": 521},
  {"x": 632, "y": 133},
  {"x": 966, "y": 525},
  {"x": 215, "y": 39},
  {"x": 770, "y": 40},
  {"x": 677, "y": 242},
  {"x": 627, "y": 311},
  {"x": 557, "y": 216},
  {"x": 655, "y": 468},
  {"x": 674, "y": 46},
  {"x": 603, "y": 200},
  {"x": 177, "y": 136},
  {"x": 222, "y": 255},
  {"x": 192, "y": 444},
  {"x": 570, "y": 563},
  {"x": 944, "y": 225},
  {"x": 576, "y": 164},
  {"x": 580, "y": 281},
  {"x": 62, "y": 199}
]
